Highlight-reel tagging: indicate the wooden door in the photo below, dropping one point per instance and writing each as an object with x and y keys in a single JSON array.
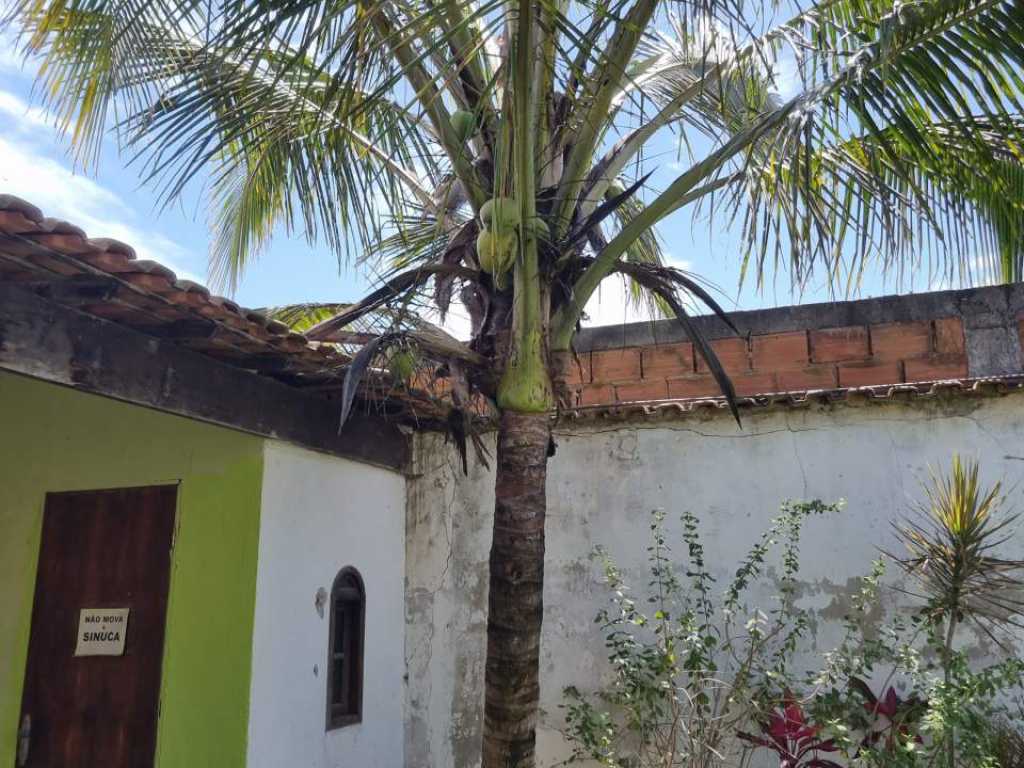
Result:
[{"x": 106, "y": 550}]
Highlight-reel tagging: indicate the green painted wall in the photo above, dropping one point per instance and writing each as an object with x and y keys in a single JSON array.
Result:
[{"x": 55, "y": 439}]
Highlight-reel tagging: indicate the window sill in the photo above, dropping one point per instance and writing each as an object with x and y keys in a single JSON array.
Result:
[{"x": 343, "y": 721}]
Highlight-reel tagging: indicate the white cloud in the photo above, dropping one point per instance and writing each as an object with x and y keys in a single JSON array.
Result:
[
  {"x": 456, "y": 321},
  {"x": 27, "y": 118},
  {"x": 611, "y": 304},
  {"x": 673, "y": 261},
  {"x": 61, "y": 193},
  {"x": 27, "y": 171}
]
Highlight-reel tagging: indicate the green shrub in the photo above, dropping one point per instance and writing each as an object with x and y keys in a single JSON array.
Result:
[
  {"x": 701, "y": 678},
  {"x": 692, "y": 666}
]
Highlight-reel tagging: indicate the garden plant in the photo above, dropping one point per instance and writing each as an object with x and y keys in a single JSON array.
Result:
[{"x": 705, "y": 676}]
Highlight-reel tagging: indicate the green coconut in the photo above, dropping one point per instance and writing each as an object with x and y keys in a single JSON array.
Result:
[
  {"x": 500, "y": 213},
  {"x": 464, "y": 124},
  {"x": 495, "y": 251},
  {"x": 539, "y": 227},
  {"x": 485, "y": 250},
  {"x": 500, "y": 280}
]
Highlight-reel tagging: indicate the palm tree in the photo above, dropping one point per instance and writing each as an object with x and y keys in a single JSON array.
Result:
[{"x": 503, "y": 149}]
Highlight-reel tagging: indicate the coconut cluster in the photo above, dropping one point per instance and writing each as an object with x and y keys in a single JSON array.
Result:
[{"x": 497, "y": 242}]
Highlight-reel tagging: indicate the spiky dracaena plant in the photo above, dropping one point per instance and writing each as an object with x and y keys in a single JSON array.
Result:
[
  {"x": 953, "y": 555},
  {"x": 387, "y": 127},
  {"x": 952, "y": 552}
]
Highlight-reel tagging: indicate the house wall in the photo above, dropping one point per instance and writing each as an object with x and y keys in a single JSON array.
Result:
[
  {"x": 320, "y": 514},
  {"x": 603, "y": 483},
  {"x": 57, "y": 439}
]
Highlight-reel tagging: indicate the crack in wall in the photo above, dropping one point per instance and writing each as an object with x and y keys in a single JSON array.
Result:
[{"x": 800, "y": 465}]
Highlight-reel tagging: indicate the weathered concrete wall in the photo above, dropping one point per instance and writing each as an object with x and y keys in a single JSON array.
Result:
[
  {"x": 321, "y": 514},
  {"x": 604, "y": 482}
]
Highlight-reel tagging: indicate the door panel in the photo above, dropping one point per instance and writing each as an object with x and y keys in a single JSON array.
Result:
[{"x": 99, "y": 549}]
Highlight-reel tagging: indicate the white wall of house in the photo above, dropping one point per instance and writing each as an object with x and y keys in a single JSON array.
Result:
[
  {"x": 320, "y": 514},
  {"x": 603, "y": 483}
]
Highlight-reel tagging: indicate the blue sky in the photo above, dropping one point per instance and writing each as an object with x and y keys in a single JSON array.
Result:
[{"x": 109, "y": 201}]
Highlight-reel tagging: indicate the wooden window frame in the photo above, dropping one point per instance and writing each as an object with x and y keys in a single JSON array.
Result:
[{"x": 347, "y": 580}]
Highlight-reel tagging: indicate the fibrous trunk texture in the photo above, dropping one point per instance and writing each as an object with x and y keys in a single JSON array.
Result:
[{"x": 515, "y": 604}]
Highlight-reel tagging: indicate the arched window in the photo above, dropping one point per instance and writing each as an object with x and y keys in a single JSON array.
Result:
[{"x": 345, "y": 659}]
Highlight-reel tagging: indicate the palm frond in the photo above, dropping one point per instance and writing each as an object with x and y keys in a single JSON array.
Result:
[
  {"x": 674, "y": 289},
  {"x": 904, "y": 86},
  {"x": 88, "y": 55},
  {"x": 850, "y": 80},
  {"x": 394, "y": 288},
  {"x": 850, "y": 202},
  {"x": 301, "y": 317},
  {"x": 645, "y": 250}
]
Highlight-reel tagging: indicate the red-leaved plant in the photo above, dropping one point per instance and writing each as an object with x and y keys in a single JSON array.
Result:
[
  {"x": 896, "y": 718},
  {"x": 796, "y": 741}
]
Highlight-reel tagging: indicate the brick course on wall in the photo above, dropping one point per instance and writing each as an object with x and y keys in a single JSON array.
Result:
[{"x": 792, "y": 361}]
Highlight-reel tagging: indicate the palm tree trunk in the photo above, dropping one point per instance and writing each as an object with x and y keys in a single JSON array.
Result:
[{"x": 515, "y": 604}]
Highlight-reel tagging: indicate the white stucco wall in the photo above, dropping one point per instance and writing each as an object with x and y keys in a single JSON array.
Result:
[
  {"x": 602, "y": 486},
  {"x": 320, "y": 514}
]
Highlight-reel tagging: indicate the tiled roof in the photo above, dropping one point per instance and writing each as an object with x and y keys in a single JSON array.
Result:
[
  {"x": 992, "y": 386},
  {"x": 103, "y": 278}
]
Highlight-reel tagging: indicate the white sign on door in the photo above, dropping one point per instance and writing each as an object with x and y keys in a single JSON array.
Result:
[{"x": 101, "y": 631}]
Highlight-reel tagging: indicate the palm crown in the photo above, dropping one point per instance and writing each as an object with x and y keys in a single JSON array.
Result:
[
  {"x": 387, "y": 127},
  {"x": 500, "y": 149}
]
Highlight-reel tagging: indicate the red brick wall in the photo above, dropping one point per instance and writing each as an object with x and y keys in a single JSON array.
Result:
[{"x": 828, "y": 358}]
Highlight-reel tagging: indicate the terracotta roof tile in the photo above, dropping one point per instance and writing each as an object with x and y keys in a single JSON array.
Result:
[
  {"x": 113, "y": 246},
  {"x": 148, "y": 296},
  {"x": 16, "y": 222},
  {"x": 49, "y": 255},
  {"x": 190, "y": 287},
  {"x": 674, "y": 408},
  {"x": 14, "y": 204},
  {"x": 277, "y": 328},
  {"x": 256, "y": 316}
]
